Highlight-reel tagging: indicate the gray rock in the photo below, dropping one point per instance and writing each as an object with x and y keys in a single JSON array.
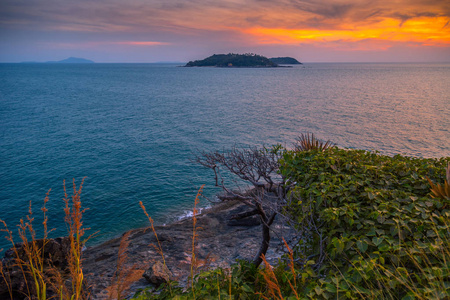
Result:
[
  {"x": 157, "y": 274},
  {"x": 247, "y": 222},
  {"x": 220, "y": 241}
]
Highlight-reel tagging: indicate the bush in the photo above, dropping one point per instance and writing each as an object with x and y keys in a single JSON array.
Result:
[
  {"x": 238, "y": 282},
  {"x": 370, "y": 227}
]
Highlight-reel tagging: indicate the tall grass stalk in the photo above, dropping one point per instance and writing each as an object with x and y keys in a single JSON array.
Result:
[
  {"x": 293, "y": 286},
  {"x": 73, "y": 219},
  {"x": 229, "y": 286},
  {"x": 158, "y": 248},
  {"x": 423, "y": 273},
  {"x": 33, "y": 252},
  {"x": 31, "y": 263},
  {"x": 39, "y": 273},
  {"x": 124, "y": 275},
  {"x": 18, "y": 262},
  {"x": 194, "y": 264},
  {"x": 273, "y": 287},
  {"x": 6, "y": 277},
  {"x": 218, "y": 285}
]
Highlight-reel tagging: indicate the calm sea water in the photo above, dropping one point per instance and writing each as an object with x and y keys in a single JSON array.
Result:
[{"x": 131, "y": 129}]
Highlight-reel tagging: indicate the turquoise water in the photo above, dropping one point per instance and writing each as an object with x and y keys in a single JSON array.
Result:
[{"x": 131, "y": 129}]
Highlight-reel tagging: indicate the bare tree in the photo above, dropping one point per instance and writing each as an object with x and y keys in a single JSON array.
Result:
[{"x": 258, "y": 167}]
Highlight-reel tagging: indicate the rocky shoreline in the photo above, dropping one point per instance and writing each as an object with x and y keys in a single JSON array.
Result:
[{"x": 221, "y": 241}]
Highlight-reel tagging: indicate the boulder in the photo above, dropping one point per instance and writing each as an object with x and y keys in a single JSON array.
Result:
[{"x": 157, "y": 274}]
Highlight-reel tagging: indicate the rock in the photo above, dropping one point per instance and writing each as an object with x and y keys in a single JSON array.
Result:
[
  {"x": 55, "y": 256},
  {"x": 220, "y": 242},
  {"x": 157, "y": 274},
  {"x": 246, "y": 222},
  {"x": 55, "y": 252}
]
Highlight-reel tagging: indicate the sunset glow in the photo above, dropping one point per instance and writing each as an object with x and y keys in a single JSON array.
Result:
[
  {"x": 429, "y": 31},
  {"x": 139, "y": 31}
]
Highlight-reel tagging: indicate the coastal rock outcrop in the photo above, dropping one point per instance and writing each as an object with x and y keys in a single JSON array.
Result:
[{"x": 221, "y": 241}]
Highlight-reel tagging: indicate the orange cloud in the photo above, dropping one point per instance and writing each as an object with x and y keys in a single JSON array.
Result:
[
  {"x": 426, "y": 30},
  {"x": 230, "y": 25}
]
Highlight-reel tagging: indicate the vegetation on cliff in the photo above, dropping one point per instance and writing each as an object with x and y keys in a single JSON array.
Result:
[
  {"x": 369, "y": 226},
  {"x": 233, "y": 60}
]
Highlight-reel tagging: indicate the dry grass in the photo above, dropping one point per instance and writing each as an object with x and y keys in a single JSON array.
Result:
[
  {"x": 194, "y": 261},
  {"x": 29, "y": 256},
  {"x": 270, "y": 279},
  {"x": 157, "y": 247},
  {"x": 6, "y": 278},
  {"x": 293, "y": 284},
  {"x": 273, "y": 287},
  {"x": 40, "y": 276},
  {"x": 125, "y": 275},
  {"x": 73, "y": 219}
]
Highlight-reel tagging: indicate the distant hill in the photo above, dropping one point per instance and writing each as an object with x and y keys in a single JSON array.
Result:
[
  {"x": 285, "y": 61},
  {"x": 72, "y": 60},
  {"x": 168, "y": 62},
  {"x": 248, "y": 60}
]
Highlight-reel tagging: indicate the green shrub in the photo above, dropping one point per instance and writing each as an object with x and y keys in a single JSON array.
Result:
[
  {"x": 369, "y": 225},
  {"x": 238, "y": 282},
  {"x": 369, "y": 229}
]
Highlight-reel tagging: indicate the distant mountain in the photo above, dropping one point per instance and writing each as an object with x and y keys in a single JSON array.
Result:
[
  {"x": 168, "y": 62},
  {"x": 232, "y": 60},
  {"x": 72, "y": 60},
  {"x": 285, "y": 61}
]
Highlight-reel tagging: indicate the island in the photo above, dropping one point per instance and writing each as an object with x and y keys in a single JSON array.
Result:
[
  {"x": 232, "y": 60},
  {"x": 285, "y": 61},
  {"x": 72, "y": 60}
]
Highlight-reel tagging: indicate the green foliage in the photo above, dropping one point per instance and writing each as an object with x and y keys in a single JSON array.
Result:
[
  {"x": 380, "y": 232},
  {"x": 370, "y": 229},
  {"x": 239, "y": 282}
]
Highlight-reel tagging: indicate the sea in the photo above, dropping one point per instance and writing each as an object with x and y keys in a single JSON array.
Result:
[{"x": 132, "y": 130}]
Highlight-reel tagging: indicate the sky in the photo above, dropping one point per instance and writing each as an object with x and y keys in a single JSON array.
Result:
[{"x": 184, "y": 30}]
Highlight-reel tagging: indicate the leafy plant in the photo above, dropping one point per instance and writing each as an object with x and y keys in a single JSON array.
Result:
[
  {"x": 368, "y": 229},
  {"x": 367, "y": 222},
  {"x": 306, "y": 142},
  {"x": 237, "y": 282}
]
